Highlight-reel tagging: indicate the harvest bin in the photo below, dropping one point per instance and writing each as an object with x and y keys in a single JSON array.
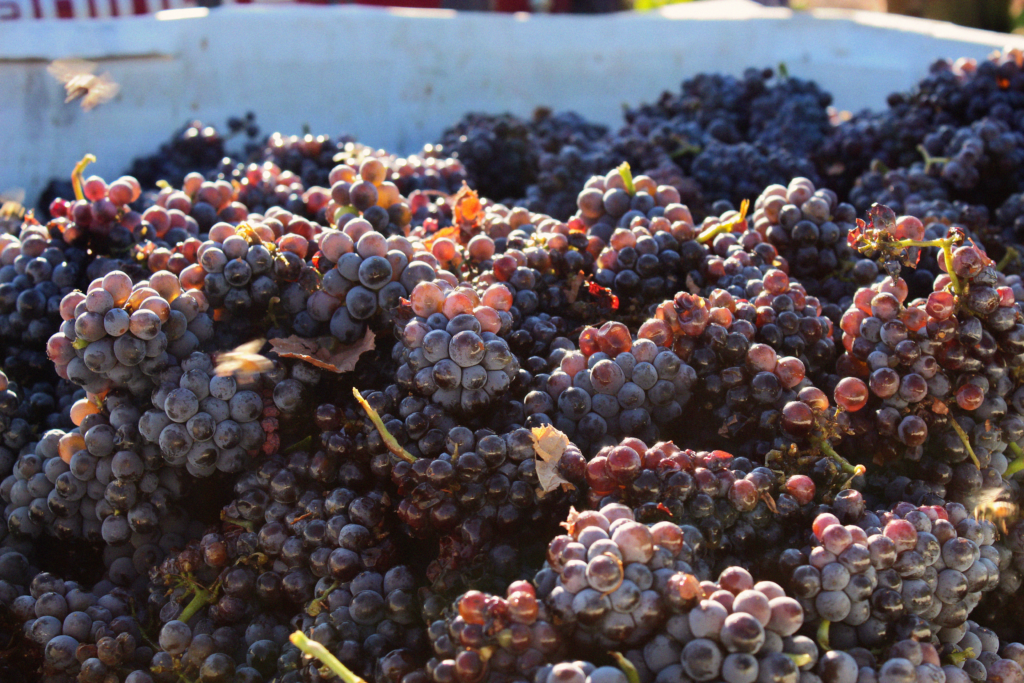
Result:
[{"x": 395, "y": 78}]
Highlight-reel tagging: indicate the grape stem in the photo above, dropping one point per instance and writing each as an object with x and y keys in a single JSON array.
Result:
[
  {"x": 929, "y": 160},
  {"x": 725, "y": 226},
  {"x": 390, "y": 441},
  {"x": 317, "y": 605},
  {"x": 248, "y": 526},
  {"x": 946, "y": 244},
  {"x": 201, "y": 599},
  {"x": 967, "y": 443},
  {"x": 830, "y": 452},
  {"x": 1008, "y": 258},
  {"x": 627, "y": 177},
  {"x": 822, "y": 635},
  {"x": 1017, "y": 464},
  {"x": 76, "y": 175},
  {"x": 311, "y": 648},
  {"x": 958, "y": 657},
  {"x": 632, "y": 675}
]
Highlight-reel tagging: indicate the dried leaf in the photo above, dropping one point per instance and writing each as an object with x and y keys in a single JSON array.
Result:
[
  {"x": 549, "y": 444},
  {"x": 570, "y": 521},
  {"x": 324, "y": 352},
  {"x": 467, "y": 208}
]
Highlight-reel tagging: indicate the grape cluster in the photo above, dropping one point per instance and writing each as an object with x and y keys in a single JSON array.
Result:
[
  {"x": 204, "y": 422},
  {"x": 613, "y": 386},
  {"x": 807, "y": 226},
  {"x": 725, "y": 504},
  {"x": 123, "y": 335},
  {"x": 912, "y": 572},
  {"x": 451, "y": 350}
]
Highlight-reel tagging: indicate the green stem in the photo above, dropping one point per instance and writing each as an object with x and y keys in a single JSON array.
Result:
[
  {"x": 929, "y": 159},
  {"x": 390, "y": 441},
  {"x": 967, "y": 443},
  {"x": 946, "y": 244},
  {"x": 725, "y": 226},
  {"x": 822, "y": 635},
  {"x": 1009, "y": 257},
  {"x": 248, "y": 526},
  {"x": 201, "y": 599},
  {"x": 1017, "y": 464},
  {"x": 830, "y": 452},
  {"x": 76, "y": 175},
  {"x": 316, "y": 605},
  {"x": 627, "y": 177},
  {"x": 956, "y": 658},
  {"x": 632, "y": 675},
  {"x": 314, "y": 649}
]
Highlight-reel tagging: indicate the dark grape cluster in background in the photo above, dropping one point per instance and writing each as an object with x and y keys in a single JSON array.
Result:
[{"x": 731, "y": 393}]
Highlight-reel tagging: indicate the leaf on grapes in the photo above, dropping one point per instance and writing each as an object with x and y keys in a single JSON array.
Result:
[
  {"x": 882, "y": 218},
  {"x": 452, "y": 232},
  {"x": 324, "y": 352},
  {"x": 466, "y": 207},
  {"x": 853, "y": 238},
  {"x": 604, "y": 296},
  {"x": 549, "y": 444},
  {"x": 570, "y": 521}
]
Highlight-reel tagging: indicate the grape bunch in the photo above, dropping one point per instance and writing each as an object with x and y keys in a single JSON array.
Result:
[
  {"x": 204, "y": 421},
  {"x": 451, "y": 351},
  {"x": 914, "y": 572},
  {"x": 613, "y": 386},
  {"x": 123, "y": 335}
]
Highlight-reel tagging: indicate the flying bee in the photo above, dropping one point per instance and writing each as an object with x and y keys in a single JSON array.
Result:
[
  {"x": 990, "y": 505},
  {"x": 244, "y": 361},
  {"x": 79, "y": 80},
  {"x": 11, "y": 206}
]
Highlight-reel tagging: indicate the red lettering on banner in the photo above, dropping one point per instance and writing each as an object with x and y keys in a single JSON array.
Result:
[{"x": 9, "y": 10}]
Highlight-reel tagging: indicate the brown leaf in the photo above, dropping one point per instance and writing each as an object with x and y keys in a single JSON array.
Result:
[
  {"x": 467, "y": 207},
  {"x": 548, "y": 445},
  {"x": 324, "y": 352}
]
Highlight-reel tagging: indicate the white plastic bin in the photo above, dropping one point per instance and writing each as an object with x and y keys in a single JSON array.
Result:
[{"x": 396, "y": 78}]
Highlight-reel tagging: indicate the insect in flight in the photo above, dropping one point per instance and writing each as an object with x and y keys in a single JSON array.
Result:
[{"x": 80, "y": 80}]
